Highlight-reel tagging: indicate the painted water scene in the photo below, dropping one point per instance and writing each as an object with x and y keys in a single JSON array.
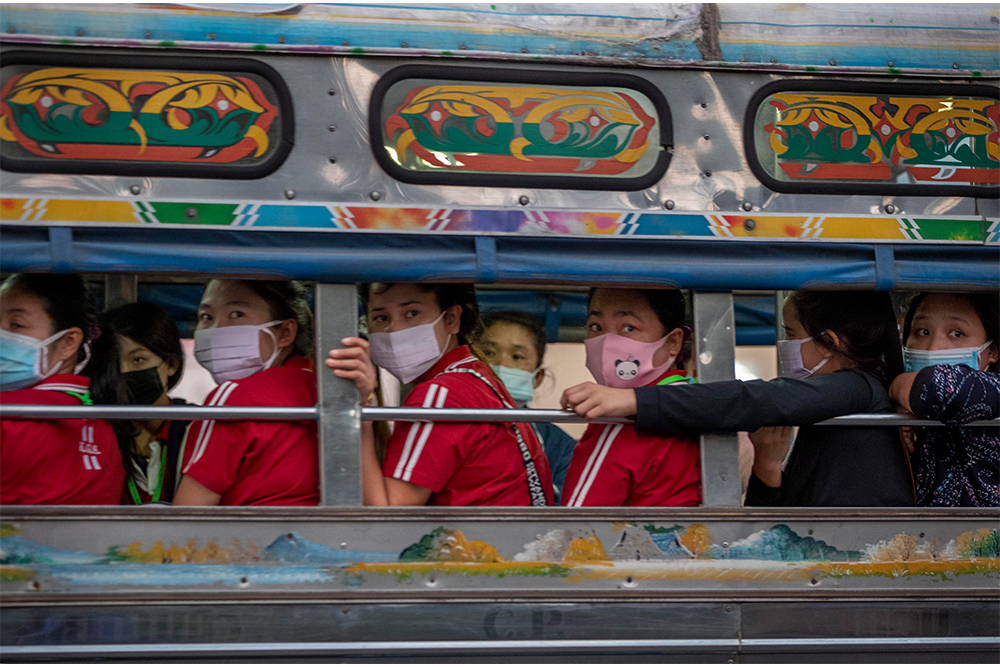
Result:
[{"x": 639, "y": 553}]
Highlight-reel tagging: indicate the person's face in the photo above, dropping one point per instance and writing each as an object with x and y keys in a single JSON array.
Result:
[
  {"x": 946, "y": 321},
  {"x": 137, "y": 357},
  {"x": 228, "y": 303},
  {"x": 406, "y": 305},
  {"x": 510, "y": 345},
  {"x": 24, "y": 313},
  {"x": 627, "y": 313},
  {"x": 812, "y": 352}
]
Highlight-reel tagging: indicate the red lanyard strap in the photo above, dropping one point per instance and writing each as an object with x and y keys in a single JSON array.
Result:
[{"x": 535, "y": 489}]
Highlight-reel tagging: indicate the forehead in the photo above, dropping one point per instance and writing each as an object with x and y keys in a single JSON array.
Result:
[
  {"x": 610, "y": 301},
  {"x": 401, "y": 293},
  {"x": 129, "y": 345},
  {"x": 29, "y": 303},
  {"x": 510, "y": 334},
  {"x": 220, "y": 292},
  {"x": 941, "y": 306}
]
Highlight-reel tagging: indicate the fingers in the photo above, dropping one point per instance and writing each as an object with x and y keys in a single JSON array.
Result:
[{"x": 576, "y": 395}]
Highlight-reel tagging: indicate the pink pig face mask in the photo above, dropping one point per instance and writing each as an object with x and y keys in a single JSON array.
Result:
[{"x": 623, "y": 363}]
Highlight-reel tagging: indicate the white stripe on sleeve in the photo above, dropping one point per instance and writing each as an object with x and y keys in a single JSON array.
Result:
[
  {"x": 206, "y": 429},
  {"x": 442, "y": 393},
  {"x": 590, "y": 464},
  {"x": 415, "y": 428},
  {"x": 616, "y": 429}
]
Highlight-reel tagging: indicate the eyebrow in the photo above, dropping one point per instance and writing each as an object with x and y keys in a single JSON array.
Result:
[
  {"x": 957, "y": 318},
  {"x": 141, "y": 348}
]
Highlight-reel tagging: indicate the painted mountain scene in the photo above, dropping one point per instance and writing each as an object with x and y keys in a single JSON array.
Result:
[{"x": 634, "y": 553}]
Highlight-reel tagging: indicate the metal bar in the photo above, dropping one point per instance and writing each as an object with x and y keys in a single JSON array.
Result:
[
  {"x": 392, "y": 414},
  {"x": 339, "y": 403},
  {"x": 120, "y": 289},
  {"x": 715, "y": 352}
]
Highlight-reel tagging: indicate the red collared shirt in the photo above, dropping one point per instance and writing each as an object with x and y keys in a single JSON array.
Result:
[
  {"x": 464, "y": 463},
  {"x": 58, "y": 461},
  {"x": 613, "y": 466},
  {"x": 259, "y": 462}
]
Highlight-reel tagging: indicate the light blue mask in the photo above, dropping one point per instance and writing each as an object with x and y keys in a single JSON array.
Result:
[
  {"x": 520, "y": 384},
  {"x": 916, "y": 360},
  {"x": 21, "y": 359}
]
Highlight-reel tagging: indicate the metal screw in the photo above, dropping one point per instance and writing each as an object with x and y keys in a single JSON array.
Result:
[
  {"x": 524, "y": 200},
  {"x": 749, "y": 225},
  {"x": 810, "y": 531},
  {"x": 289, "y": 194},
  {"x": 955, "y": 66},
  {"x": 461, "y": 47},
  {"x": 375, "y": 195},
  {"x": 891, "y": 63},
  {"x": 524, "y": 50},
  {"x": 921, "y": 534},
  {"x": 774, "y": 61},
  {"x": 36, "y": 585},
  {"x": 704, "y": 105},
  {"x": 332, "y": 128},
  {"x": 729, "y": 607},
  {"x": 404, "y": 45},
  {"x": 890, "y": 209},
  {"x": 135, "y": 189},
  {"x": 211, "y": 35},
  {"x": 669, "y": 204},
  {"x": 333, "y": 160},
  {"x": 80, "y": 32},
  {"x": 281, "y": 39},
  {"x": 343, "y": 545},
  {"x": 707, "y": 174},
  {"x": 244, "y": 580},
  {"x": 191, "y": 213},
  {"x": 148, "y": 34},
  {"x": 725, "y": 545},
  {"x": 331, "y": 92},
  {"x": 706, "y": 137},
  {"x": 747, "y": 206},
  {"x": 832, "y": 63}
]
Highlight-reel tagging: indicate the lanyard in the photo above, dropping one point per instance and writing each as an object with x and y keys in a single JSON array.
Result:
[
  {"x": 83, "y": 397},
  {"x": 159, "y": 484},
  {"x": 675, "y": 379},
  {"x": 535, "y": 490}
]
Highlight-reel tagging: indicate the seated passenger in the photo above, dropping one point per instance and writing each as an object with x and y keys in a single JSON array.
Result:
[
  {"x": 152, "y": 362},
  {"x": 514, "y": 345},
  {"x": 422, "y": 334},
  {"x": 842, "y": 351},
  {"x": 255, "y": 338},
  {"x": 635, "y": 338},
  {"x": 951, "y": 376},
  {"x": 51, "y": 353}
]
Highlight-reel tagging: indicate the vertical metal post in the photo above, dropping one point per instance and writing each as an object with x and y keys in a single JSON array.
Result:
[
  {"x": 715, "y": 352},
  {"x": 339, "y": 403},
  {"x": 119, "y": 289}
]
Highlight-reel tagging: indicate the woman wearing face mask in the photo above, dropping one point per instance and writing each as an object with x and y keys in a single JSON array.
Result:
[
  {"x": 152, "y": 362},
  {"x": 635, "y": 338},
  {"x": 950, "y": 358},
  {"x": 514, "y": 345},
  {"x": 255, "y": 338},
  {"x": 52, "y": 353},
  {"x": 422, "y": 334},
  {"x": 840, "y": 354}
]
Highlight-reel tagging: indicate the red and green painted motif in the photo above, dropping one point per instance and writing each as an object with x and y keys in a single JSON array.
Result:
[
  {"x": 877, "y": 138},
  {"x": 520, "y": 129},
  {"x": 68, "y": 113}
]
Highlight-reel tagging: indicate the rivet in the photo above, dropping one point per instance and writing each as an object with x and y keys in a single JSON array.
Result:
[
  {"x": 36, "y": 585},
  {"x": 404, "y": 45},
  {"x": 706, "y": 137},
  {"x": 332, "y": 128},
  {"x": 747, "y": 206},
  {"x": 729, "y": 607},
  {"x": 832, "y": 63},
  {"x": 814, "y": 581},
  {"x": 11, "y": 30},
  {"x": 375, "y": 195},
  {"x": 289, "y": 194},
  {"x": 211, "y": 35},
  {"x": 281, "y": 39},
  {"x": 891, "y": 63},
  {"x": 80, "y": 32},
  {"x": 461, "y": 47},
  {"x": 749, "y": 224},
  {"x": 333, "y": 160},
  {"x": 725, "y": 545},
  {"x": 331, "y": 92},
  {"x": 343, "y": 545},
  {"x": 191, "y": 213},
  {"x": 524, "y": 200},
  {"x": 244, "y": 581},
  {"x": 524, "y": 50},
  {"x": 148, "y": 34},
  {"x": 707, "y": 173},
  {"x": 810, "y": 531},
  {"x": 135, "y": 189},
  {"x": 890, "y": 209},
  {"x": 774, "y": 61},
  {"x": 921, "y": 534},
  {"x": 704, "y": 105},
  {"x": 669, "y": 204},
  {"x": 955, "y": 66},
  {"x": 722, "y": 476},
  {"x": 743, "y": 60},
  {"x": 345, "y": 43}
]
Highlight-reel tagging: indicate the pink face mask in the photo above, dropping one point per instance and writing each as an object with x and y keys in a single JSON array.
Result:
[{"x": 622, "y": 363}]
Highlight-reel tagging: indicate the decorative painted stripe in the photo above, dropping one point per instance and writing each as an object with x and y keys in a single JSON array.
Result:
[{"x": 292, "y": 216}]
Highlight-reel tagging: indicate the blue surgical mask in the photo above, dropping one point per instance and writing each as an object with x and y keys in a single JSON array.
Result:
[
  {"x": 520, "y": 384},
  {"x": 916, "y": 360},
  {"x": 22, "y": 358}
]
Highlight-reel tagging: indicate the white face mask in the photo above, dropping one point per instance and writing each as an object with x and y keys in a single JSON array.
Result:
[
  {"x": 915, "y": 360},
  {"x": 233, "y": 353},
  {"x": 790, "y": 359},
  {"x": 22, "y": 359},
  {"x": 407, "y": 353}
]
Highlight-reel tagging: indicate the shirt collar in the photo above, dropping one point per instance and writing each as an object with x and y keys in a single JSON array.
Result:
[
  {"x": 672, "y": 373},
  {"x": 460, "y": 353},
  {"x": 65, "y": 382}
]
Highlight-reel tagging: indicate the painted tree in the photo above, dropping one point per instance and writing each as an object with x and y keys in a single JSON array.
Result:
[{"x": 697, "y": 540}]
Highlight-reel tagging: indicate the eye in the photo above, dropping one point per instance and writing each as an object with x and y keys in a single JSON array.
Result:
[
  {"x": 489, "y": 353},
  {"x": 627, "y": 328},
  {"x": 138, "y": 359},
  {"x": 236, "y": 314},
  {"x": 204, "y": 317},
  {"x": 922, "y": 332},
  {"x": 957, "y": 333},
  {"x": 412, "y": 313},
  {"x": 518, "y": 357},
  {"x": 595, "y": 327},
  {"x": 379, "y": 318}
]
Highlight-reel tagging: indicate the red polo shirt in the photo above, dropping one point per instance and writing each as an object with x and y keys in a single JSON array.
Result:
[
  {"x": 58, "y": 461},
  {"x": 613, "y": 466},
  {"x": 464, "y": 463},
  {"x": 259, "y": 462}
]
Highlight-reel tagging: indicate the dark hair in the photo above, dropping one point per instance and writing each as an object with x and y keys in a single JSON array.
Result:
[
  {"x": 865, "y": 323},
  {"x": 670, "y": 308},
  {"x": 148, "y": 325},
  {"x": 447, "y": 295},
  {"x": 287, "y": 300},
  {"x": 533, "y": 325},
  {"x": 987, "y": 307}
]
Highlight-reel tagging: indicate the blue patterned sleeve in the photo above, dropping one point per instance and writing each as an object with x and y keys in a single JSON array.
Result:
[{"x": 955, "y": 394}]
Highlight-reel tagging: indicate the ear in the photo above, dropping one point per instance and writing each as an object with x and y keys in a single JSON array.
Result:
[
  {"x": 539, "y": 376},
  {"x": 67, "y": 346},
  {"x": 834, "y": 341},
  {"x": 173, "y": 365},
  {"x": 992, "y": 354},
  {"x": 674, "y": 343},
  {"x": 453, "y": 319},
  {"x": 286, "y": 333}
]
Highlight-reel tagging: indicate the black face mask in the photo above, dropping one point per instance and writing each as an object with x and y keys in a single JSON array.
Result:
[{"x": 144, "y": 387}]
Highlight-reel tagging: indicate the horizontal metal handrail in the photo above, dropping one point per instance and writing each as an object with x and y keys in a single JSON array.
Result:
[{"x": 258, "y": 413}]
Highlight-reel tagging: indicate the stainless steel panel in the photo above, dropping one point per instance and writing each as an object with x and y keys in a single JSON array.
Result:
[
  {"x": 339, "y": 405},
  {"x": 715, "y": 352}
]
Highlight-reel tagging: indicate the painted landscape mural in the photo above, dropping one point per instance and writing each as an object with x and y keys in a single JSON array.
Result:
[{"x": 682, "y": 552}]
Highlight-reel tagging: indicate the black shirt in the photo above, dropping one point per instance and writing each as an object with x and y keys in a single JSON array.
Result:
[{"x": 830, "y": 466}]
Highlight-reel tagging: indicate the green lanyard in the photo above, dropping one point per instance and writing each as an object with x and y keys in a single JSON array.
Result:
[
  {"x": 159, "y": 484},
  {"x": 84, "y": 397},
  {"x": 675, "y": 379}
]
